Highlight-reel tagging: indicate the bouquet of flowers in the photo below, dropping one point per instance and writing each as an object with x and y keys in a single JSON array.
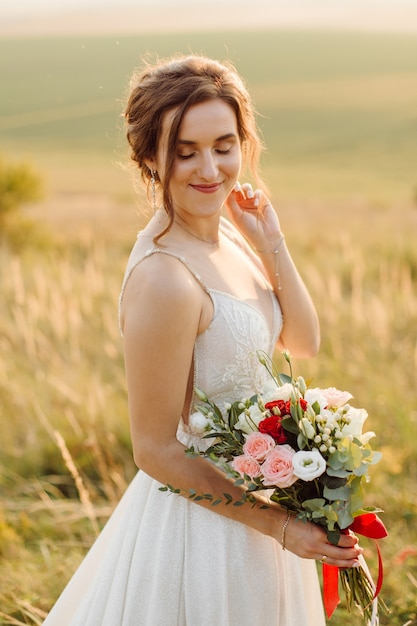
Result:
[{"x": 307, "y": 446}]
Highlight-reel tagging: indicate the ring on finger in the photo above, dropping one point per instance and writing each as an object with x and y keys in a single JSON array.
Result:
[{"x": 323, "y": 559}]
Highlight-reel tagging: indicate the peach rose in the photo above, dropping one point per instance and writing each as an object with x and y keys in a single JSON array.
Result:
[
  {"x": 257, "y": 445},
  {"x": 246, "y": 465},
  {"x": 336, "y": 398},
  {"x": 277, "y": 468}
]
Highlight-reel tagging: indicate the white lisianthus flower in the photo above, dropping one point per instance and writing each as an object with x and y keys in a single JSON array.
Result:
[
  {"x": 316, "y": 395},
  {"x": 308, "y": 464},
  {"x": 198, "y": 423},
  {"x": 249, "y": 419},
  {"x": 356, "y": 418},
  {"x": 272, "y": 393}
]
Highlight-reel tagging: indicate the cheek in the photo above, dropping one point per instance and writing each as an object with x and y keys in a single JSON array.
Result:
[{"x": 235, "y": 162}]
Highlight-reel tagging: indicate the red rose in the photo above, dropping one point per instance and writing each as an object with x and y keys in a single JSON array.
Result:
[
  {"x": 284, "y": 407},
  {"x": 272, "y": 426}
]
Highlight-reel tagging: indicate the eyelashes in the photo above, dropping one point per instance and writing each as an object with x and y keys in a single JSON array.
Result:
[{"x": 185, "y": 157}]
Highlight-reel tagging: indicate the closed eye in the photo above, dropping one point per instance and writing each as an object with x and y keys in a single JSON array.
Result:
[
  {"x": 184, "y": 157},
  {"x": 223, "y": 151}
]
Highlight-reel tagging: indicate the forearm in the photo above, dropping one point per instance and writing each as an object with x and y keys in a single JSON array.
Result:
[
  {"x": 301, "y": 332},
  {"x": 172, "y": 466}
]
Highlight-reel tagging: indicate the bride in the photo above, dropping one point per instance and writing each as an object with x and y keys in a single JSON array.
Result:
[{"x": 201, "y": 294}]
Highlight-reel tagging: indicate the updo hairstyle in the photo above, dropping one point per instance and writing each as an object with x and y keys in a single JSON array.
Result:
[{"x": 180, "y": 83}]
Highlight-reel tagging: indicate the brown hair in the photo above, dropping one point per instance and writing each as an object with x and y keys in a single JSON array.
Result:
[{"x": 178, "y": 84}]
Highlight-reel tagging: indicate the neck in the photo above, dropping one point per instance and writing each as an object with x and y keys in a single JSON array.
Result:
[{"x": 210, "y": 240}]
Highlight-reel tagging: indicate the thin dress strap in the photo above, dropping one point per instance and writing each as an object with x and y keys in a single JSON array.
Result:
[{"x": 146, "y": 255}]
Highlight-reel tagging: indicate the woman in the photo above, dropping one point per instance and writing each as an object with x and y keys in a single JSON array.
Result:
[{"x": 200, "y": 296}]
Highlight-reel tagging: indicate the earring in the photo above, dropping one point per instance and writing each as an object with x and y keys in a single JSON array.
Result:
[{"x": 153, "y": 191}]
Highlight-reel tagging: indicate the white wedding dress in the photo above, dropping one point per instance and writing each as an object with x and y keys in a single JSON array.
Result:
[{"x": 161, "y": 559}]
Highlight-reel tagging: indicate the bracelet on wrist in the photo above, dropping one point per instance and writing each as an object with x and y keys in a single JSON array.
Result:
[
  {"x": 275, "y": 252},
  {"x": 284, "y": 529}
]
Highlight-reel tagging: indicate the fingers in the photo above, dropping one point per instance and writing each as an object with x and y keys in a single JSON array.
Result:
[
  {"x": 347, "y": 540},
  {"x": 246, "y": 198},
  {"x": 346, "y": 554},
  {"x": 342, "y": 557},
  {"x": 310, "y": 541}
]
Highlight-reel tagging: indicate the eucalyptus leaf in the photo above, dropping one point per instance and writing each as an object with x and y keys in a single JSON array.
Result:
[
  {"x": 314, "y": 504},
  {"x": 341, "y": 493},
  {"x": 338, "y": 473},
  {"x": 344, "y": 518},
  {"x": 333, "y": 536}
]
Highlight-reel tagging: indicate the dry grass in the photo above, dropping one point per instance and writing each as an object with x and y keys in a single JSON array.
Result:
[{"x": 65, "y": 448}]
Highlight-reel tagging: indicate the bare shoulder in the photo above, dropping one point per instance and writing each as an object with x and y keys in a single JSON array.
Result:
[{"x": 161, "y": 282}]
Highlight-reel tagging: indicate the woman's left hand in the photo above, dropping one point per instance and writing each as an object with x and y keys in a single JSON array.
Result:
[{"x": 254, "y": 216}]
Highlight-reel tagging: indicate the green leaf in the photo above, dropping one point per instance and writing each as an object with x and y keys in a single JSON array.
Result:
[
  {"x": 172, "y": 489},
  {"x": 344, "y": 516},
  {"x": 338, "y": 473},
  {"x": 301, "y": 441},
  {"x": 316, "y": 407},
  {"x": 341, "y": 493},
  {"x": 314, "y": 504},
  {"x": 290, "y": 426},
  {"x": 333, "y": 536}
]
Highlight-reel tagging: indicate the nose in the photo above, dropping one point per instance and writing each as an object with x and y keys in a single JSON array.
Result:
[{"x": 208, "y": 169}]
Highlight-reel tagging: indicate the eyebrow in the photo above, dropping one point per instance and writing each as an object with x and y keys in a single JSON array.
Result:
[{"x": 187, "y": 142}]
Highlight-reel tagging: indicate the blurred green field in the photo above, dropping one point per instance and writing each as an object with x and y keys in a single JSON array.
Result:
[
  {"x": 340, "y": 123},
  {"x": 338, "y": 110}
]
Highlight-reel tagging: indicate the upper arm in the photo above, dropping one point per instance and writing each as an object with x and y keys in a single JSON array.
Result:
[{"x": 161, "y": 310}]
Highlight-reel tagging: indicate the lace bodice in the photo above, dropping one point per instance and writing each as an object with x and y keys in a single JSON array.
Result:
[{"x": 226, "y": 366}]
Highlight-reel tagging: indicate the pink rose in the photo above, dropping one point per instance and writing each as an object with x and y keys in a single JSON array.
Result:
[
  {"x": 336, "y": 398},
  {"x": 246, "y": 465},
  {"x": 277, "y": 468},
  {"x": 257, "y": 445}
]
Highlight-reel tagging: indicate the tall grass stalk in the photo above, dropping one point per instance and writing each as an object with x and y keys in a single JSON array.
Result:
[{"x": 66, "y": 453}]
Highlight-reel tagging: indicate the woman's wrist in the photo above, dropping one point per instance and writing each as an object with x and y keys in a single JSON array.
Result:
[
  {"x": 275, "y": 252},
  {"x": 273, "y": 249},
  {"x": 284, "y": 530}
]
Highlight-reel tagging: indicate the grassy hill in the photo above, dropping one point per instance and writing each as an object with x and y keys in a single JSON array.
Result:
[{"x": 338, "y": 110}]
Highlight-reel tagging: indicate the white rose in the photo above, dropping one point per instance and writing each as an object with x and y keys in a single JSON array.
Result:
[
  {"x": 308, "y": 465},
  {"x": 357, "y": 419},
  {"x": 198, "y": 423},
  {"x": 277, "y": 393},
  {"x": 316, "y": 395}
]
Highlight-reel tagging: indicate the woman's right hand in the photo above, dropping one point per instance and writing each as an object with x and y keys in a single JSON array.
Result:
[{"x": 309, "y": 541}]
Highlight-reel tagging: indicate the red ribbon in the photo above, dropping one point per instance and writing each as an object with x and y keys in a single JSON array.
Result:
[{"x": 368, "y": 525}]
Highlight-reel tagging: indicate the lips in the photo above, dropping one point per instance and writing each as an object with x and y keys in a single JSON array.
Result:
[{"x": 212, "y": 188}]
